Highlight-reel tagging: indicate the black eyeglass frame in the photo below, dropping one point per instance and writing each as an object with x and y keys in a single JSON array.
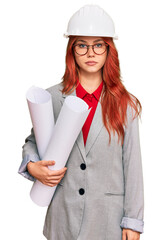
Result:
[{"x": 88, "y": 48}]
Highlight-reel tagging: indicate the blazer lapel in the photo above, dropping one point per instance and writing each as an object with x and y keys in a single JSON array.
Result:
[{"x": 94, "y": 130}]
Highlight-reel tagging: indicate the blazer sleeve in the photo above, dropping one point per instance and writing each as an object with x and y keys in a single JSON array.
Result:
[
  {"x": 133, "y": 176},
  {"x": 29, "y": 153}
]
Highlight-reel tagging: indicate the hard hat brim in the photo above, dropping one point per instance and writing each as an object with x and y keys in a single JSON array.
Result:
[{"x": 66, "y": 35}]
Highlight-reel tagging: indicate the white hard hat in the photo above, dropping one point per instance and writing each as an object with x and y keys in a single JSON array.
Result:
[{"x": 91, "y": 20}]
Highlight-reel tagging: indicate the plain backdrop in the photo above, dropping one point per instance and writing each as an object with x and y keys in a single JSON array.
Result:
[{"x": 32, "y": 52}]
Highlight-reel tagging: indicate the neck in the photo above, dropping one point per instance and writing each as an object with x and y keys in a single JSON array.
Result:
[{"x": 90, "y": 81}]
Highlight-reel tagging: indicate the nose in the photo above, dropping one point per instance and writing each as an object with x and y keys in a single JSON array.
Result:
[{"x": 90, "y": 51}]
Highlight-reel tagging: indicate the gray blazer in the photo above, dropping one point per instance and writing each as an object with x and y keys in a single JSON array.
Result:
[{"x": 102, "y": 190}]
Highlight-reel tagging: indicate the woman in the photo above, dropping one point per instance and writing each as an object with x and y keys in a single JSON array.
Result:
[{"x": 99, "y": 192}]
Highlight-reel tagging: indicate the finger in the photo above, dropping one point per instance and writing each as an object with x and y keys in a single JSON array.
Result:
[
  {"x": 124, "y": 235},
  {"x": 58, "y": 172},
  {"x": 55, "y": 177},
  {"x": 52, "y": 183},
  {"x": 62, "y": 170},
  {"x": 47, "y": 163}
]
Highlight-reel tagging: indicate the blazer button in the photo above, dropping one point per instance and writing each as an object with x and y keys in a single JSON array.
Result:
[
  {"x": 83, "y": 166},
  {"x": 81, "y": 191}
]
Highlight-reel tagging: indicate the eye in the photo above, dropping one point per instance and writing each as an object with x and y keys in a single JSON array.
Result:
[
  {"x": 99, "y": 45},
  {"x": 82, "y": 45}
]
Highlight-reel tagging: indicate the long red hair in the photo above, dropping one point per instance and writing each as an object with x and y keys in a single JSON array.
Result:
[{"x": 115, "y": 98}]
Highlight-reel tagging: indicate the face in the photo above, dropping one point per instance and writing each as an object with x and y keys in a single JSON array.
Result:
[{"x": 90, "y": 62}]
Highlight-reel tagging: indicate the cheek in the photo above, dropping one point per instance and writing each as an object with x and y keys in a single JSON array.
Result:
[
  {"x": 78, "y": 60},
  {"x": 102, "y": 61}
]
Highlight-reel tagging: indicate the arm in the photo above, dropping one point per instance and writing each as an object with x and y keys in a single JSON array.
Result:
[
  {"x": 29, "y": 153},
  {"x": 133, "y": 176}
]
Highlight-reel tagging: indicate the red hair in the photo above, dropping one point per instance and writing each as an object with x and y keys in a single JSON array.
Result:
[{"x": 115, "y": 98}]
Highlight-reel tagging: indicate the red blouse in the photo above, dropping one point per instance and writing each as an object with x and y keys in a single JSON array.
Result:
[{"x": 92, "y": 100}]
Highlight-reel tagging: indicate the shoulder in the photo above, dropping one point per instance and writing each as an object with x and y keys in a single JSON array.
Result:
[
  {"x": 56, "y": 90},
  {"x": 56, "y": 95}
]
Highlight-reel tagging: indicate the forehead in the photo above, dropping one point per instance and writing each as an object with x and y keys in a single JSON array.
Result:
[{"x": 88, "y": 39}]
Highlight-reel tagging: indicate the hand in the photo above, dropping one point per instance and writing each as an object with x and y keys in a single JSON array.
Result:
[
  {"x": 41, "y": 172},
  {"x": 129, "y": 234}
]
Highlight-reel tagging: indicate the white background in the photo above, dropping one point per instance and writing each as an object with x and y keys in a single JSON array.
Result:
[{"x": 32, "y": 52}]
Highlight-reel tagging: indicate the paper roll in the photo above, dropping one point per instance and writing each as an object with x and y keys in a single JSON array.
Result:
[
  {"x": 69, "y": 123},
  {"x": 41, "y": 113}
]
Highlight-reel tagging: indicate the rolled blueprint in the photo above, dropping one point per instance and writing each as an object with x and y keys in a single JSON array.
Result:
[
  {"x": 70, "y": 121},
  {"x": 41, "y": 113}
]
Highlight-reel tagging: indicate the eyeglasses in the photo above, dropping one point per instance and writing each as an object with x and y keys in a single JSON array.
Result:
[{"x": 98, "y": 48}]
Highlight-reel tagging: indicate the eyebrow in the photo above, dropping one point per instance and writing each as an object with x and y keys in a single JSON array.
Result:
[{"x": 93, "y": 41}]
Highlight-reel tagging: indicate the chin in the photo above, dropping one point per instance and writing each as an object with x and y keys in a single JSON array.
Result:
[{"x": 91, "y": 70}]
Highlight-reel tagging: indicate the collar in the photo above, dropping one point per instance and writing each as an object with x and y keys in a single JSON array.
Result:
[{"x": 81, "y": 92}]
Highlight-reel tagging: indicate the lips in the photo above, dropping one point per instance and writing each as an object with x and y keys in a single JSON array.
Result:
[{"x": 91, "y": 63}]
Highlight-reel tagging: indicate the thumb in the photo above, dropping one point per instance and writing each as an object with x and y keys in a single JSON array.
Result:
[
  {"x": 124, "y": 235},
  {"x": 48, "y": 163}
]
